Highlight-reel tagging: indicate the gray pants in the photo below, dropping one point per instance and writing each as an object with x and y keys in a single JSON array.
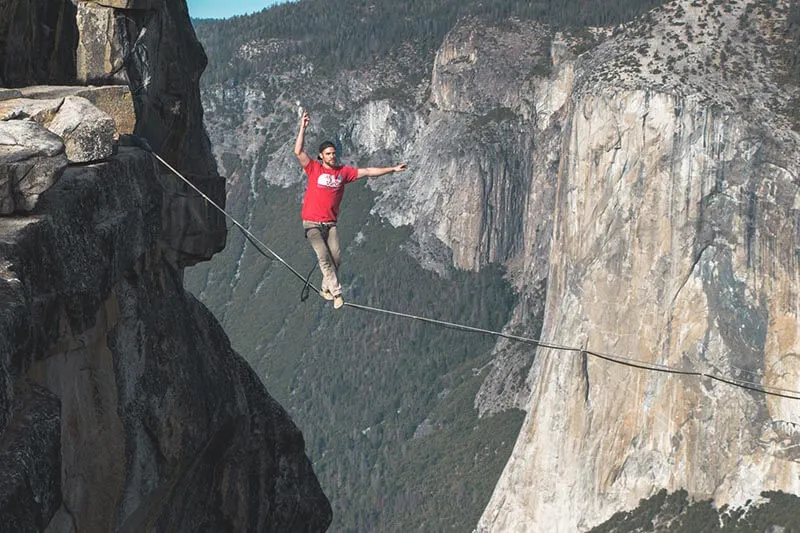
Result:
[{"x": 324, "y": 238}]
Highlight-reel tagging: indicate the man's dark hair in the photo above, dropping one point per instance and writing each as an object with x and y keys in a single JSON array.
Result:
[{"x": 326, "y": 144}]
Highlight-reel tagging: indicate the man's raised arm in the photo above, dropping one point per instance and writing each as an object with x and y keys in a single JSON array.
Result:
[
  {"x": 374, "y": 172},
  {"x": 298, "y": 144}
]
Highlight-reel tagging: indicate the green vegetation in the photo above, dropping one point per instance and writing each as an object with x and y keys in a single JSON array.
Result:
[
  {"x": 385, "y": 404},
  {"x": 343, "y": 34},
  {"x": 676, "y": 513}
]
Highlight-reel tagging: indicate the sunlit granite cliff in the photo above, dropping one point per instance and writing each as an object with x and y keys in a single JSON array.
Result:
[{"x": 675, "y": 241}]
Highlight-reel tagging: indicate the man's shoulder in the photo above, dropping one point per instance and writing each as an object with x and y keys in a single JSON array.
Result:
[
  {"x": 313, "y": 166},
  {"x": 347, "y": 170}
]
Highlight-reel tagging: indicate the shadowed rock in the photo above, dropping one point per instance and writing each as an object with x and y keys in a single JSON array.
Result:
[
  {"x": 31, "y": 160},
  {"x": 37, "y": 42},
  {"x": 30, "y": 461}
]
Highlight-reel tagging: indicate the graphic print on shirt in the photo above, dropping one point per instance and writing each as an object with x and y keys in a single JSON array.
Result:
[{"x": 330, "y": 181}]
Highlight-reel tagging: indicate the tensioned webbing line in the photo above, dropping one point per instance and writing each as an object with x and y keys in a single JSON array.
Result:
[
  {"x": 635, "y": 363},
  {"x": 250, "y": 237},
  {"x": 617, "y": 359}
]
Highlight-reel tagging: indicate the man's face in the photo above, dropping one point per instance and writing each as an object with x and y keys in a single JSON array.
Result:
[{"x": 328, "y": 156}]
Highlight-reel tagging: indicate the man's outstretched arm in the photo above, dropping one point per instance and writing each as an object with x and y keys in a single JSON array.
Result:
[
  {"x": 374, "y": 172},
  {"x": 301, "y": 155}
]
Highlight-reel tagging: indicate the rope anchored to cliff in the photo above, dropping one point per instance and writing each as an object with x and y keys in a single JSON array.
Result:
[
  {"x": 267, "y": 252},
  {"x": 259, "y": 246}
]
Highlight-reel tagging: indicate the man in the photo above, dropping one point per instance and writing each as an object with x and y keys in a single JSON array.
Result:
[{"x": 326, "y": 181}]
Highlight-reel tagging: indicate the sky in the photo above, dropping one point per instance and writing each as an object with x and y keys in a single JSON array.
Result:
[{"x": 218, "y": 9}]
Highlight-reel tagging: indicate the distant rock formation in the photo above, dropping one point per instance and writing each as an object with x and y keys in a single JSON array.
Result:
[
  {"x": 122, "y": 405},
  {"x": 674, "y": 242}
]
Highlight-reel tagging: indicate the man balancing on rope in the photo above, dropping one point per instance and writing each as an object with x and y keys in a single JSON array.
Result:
[{"x": 326, "y": 181}]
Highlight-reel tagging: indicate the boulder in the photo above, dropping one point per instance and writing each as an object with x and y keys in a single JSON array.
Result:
[
  {"x": 31, "y": 161},
  {"x": 114, "y": 100},
  {"x": 88, "y": 133}
]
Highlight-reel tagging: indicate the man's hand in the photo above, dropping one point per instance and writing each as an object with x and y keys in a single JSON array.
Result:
[
  {"x": 302, "y": 157},
  {"x": 399, "y": 168}
]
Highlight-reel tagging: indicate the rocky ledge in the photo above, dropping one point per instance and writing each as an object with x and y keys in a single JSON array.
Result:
[{"x": 122, "y": 405}]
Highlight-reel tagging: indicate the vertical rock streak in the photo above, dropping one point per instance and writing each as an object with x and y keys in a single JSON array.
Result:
[{"x": 673, "y": 244}]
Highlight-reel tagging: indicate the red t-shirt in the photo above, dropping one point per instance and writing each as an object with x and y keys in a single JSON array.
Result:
[{"x": 324, "y": 191}]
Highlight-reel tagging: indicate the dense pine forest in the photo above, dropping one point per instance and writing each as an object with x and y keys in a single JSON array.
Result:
[{"x": 345, "y": 34}]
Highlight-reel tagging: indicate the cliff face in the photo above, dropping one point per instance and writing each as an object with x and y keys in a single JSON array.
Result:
[
  {"x": 482, "y": 182},
  {"x": 122, "y": 405},
  {"x": 653, "y": 263},
  {"x": 674, "y": 242}
]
